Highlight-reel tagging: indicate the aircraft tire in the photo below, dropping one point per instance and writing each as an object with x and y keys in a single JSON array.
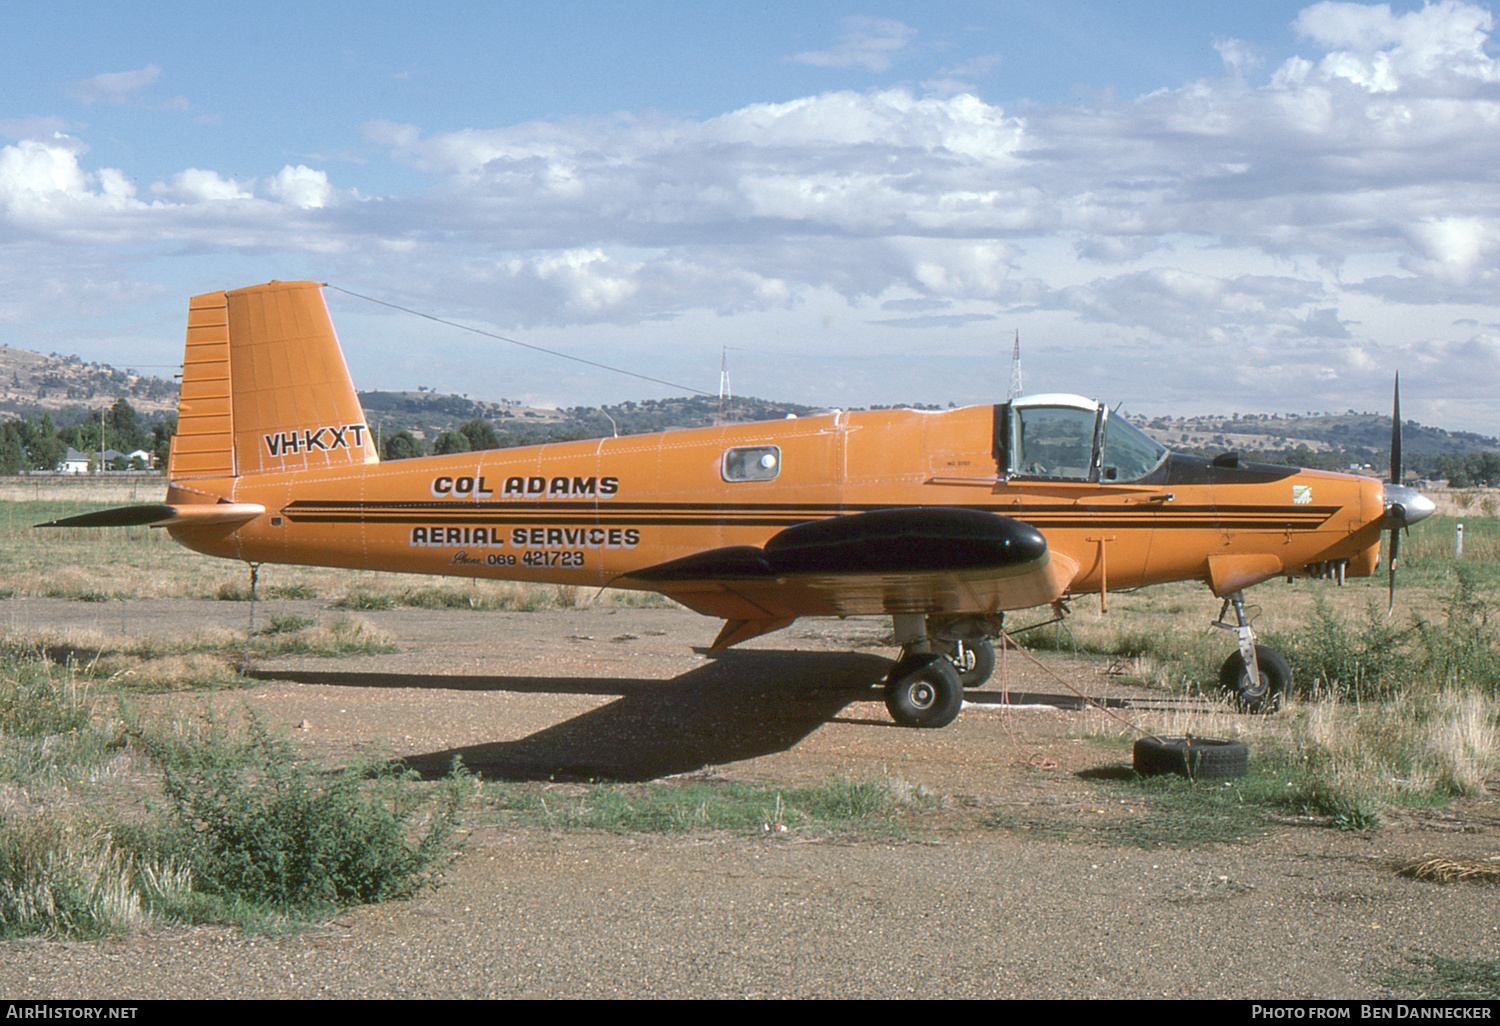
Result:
[
  {"x": 1274, "y": 685},
  {"x": 975, "y": 661},
  {"x": 924, "y": 691},
  {"x": 1197, "y": 758}
]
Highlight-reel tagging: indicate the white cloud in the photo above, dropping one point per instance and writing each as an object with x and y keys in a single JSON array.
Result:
[
  {"x": 42, "y": 184},
  {"x": 1453, "y": 249},
  {"x": 301, "y": 187},
  {"x": 1436, "y": 46},
  {"x": 198, "y": 186},
  {"x": 115, "y": 87},
  {"x": 1239, "y": 57},
  {"x": 1344, "y": 203},
  {"x": 35, "y": 169},
  {"x": 586, "y": 280},
  {"x": 866, "y": 42}
]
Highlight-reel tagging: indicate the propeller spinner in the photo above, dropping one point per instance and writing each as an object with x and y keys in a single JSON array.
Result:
[{"x": 1403, "y": 506}]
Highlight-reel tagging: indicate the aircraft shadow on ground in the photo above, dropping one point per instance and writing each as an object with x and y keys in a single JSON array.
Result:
[{"x": 739, "y": 706}]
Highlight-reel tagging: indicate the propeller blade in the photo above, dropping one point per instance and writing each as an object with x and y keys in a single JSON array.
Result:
[
  {"x": 1396, "y": 433},
  {"x": 1395, "y": 550},
  {"x": 1396, "y": 513}
]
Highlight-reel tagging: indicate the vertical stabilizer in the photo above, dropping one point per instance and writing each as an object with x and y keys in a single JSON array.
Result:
[
  {"x": 265, "y": 387},
  {"x": 202, "y": 446}
]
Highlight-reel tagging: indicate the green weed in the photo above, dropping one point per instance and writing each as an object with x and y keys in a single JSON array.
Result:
[
  {"x": 246, "y": 832},
  {"x": 1447, "y": 979},
  {"x": 1361, "y": 660},
  {"x": 1179, "y": 813},
  {"x": 844, "y": 806},
  {"x": 288, "y": 623},
  {"x": 45, "y": 717},
  {"x": 54, "y": 886},
  {"x": 1343, "y": 809},
  {"x": 340, "y": 636},
  {"x": 257, "y": 826},
  {"x": 1462, "y": 651},
  {"x": 364, "y": 600}
]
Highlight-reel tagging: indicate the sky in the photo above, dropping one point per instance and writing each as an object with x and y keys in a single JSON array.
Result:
[{"x": 1187, "y": 207}]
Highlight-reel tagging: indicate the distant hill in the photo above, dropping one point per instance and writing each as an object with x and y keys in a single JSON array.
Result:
[
  {"x": 1363, "y": 435},
  {"x": 428, "y": 414},
  {"x": 71, "y": 390}
]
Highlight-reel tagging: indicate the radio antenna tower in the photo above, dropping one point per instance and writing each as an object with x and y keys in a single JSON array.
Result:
[
  {"x": 1015, "y": 368},
  {"x": 723, "y": 383}
]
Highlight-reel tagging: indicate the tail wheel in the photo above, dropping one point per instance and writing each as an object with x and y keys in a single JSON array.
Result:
[
  {"x": 1264, "y": 695},
  {"x": 974, "y": 661},
  {"x": 924, "y": 691}
]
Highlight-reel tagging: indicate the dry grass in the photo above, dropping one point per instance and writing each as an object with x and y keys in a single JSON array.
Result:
[
  {"x": 1444, "y": 744},
  {"x": 206, "y": 658},
  {"x": 1445, "y": 870},
  {"x": 203, "y": 659},
  {"x": 82, "y": 488}
]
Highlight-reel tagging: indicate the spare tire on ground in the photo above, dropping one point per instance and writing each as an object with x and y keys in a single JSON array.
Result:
[{"x": 1197, "y": 758}]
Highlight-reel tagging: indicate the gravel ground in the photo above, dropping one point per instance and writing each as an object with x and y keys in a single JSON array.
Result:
[{"x": 1306, "y": 912}]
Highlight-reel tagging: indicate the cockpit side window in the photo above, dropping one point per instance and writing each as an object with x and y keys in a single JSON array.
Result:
[
  {"x": 1055, "y": 442},
  {"x": 1129, "y": 453}
]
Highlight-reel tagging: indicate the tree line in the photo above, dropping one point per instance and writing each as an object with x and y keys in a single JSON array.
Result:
[{"x": 37, "y": 443}]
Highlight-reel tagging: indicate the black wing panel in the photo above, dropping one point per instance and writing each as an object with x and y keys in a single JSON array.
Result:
[{"x": 922, "y": 559}]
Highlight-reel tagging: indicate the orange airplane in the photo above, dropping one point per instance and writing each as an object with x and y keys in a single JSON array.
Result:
[{"x": 941, "y": 520}]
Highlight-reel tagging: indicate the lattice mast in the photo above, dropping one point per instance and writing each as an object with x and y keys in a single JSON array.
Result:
[{"x": 1015, "y": 368}]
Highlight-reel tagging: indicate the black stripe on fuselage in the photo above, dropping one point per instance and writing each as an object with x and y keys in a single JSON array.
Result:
[{"x": 705, "y": 514}]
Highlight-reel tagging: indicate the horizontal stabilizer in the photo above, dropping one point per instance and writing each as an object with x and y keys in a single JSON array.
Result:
[{"x": 162, "y": 514}]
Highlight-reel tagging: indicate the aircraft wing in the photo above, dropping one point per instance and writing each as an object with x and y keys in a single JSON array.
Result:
[{"x": 910, "y": 560}]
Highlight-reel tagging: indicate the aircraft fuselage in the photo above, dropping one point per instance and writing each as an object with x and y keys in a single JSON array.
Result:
[{"x": 591, "y": 512}]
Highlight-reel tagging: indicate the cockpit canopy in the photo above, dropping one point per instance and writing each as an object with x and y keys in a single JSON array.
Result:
[{"x": 1070, "y": 438}]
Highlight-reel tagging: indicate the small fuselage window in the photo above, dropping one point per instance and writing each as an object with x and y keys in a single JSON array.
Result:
[{"x": 751, "y": 463}]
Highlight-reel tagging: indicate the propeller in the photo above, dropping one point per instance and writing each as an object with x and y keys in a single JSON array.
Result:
[
  {"x": 1403, "y": 506},
  {"x": 1395, "y": 512}
]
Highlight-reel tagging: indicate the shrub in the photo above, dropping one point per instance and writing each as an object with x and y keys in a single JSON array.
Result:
[
  {"x": 1366, "y": 659},
  {"x": 257, "y": 826},
  {"x": 1375, "y": 658},
  {"x": 1461, "y": 652}
]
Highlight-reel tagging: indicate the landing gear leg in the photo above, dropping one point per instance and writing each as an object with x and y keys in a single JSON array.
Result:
[
  {"x": 974, "y": 659},
  {"x": 923, "y": 689},
  {"x": 968, "y": 643},
  {"x": 1257, "y": 678}
]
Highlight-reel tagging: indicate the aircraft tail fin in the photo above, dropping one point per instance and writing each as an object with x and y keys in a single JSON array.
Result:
[{"x": 265, "y": 387}]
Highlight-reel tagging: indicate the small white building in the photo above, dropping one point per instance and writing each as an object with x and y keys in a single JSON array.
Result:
[{"x": 76, "y": 462}]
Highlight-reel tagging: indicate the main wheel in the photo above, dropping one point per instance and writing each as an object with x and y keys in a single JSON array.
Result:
[
  {"x": 924, "y": 691},
  {"x": 1197, "y": 758},
  {"x": 974, "y": 661},
  {"x": 1264, "y": 695}
]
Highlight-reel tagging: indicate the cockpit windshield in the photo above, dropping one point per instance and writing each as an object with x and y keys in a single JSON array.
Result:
[
  {"x": 1129, "y": 453},
  {"x": 1069, "y": 438}
]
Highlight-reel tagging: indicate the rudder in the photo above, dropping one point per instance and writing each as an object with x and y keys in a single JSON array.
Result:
[{"x": 265, "y": 387}]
